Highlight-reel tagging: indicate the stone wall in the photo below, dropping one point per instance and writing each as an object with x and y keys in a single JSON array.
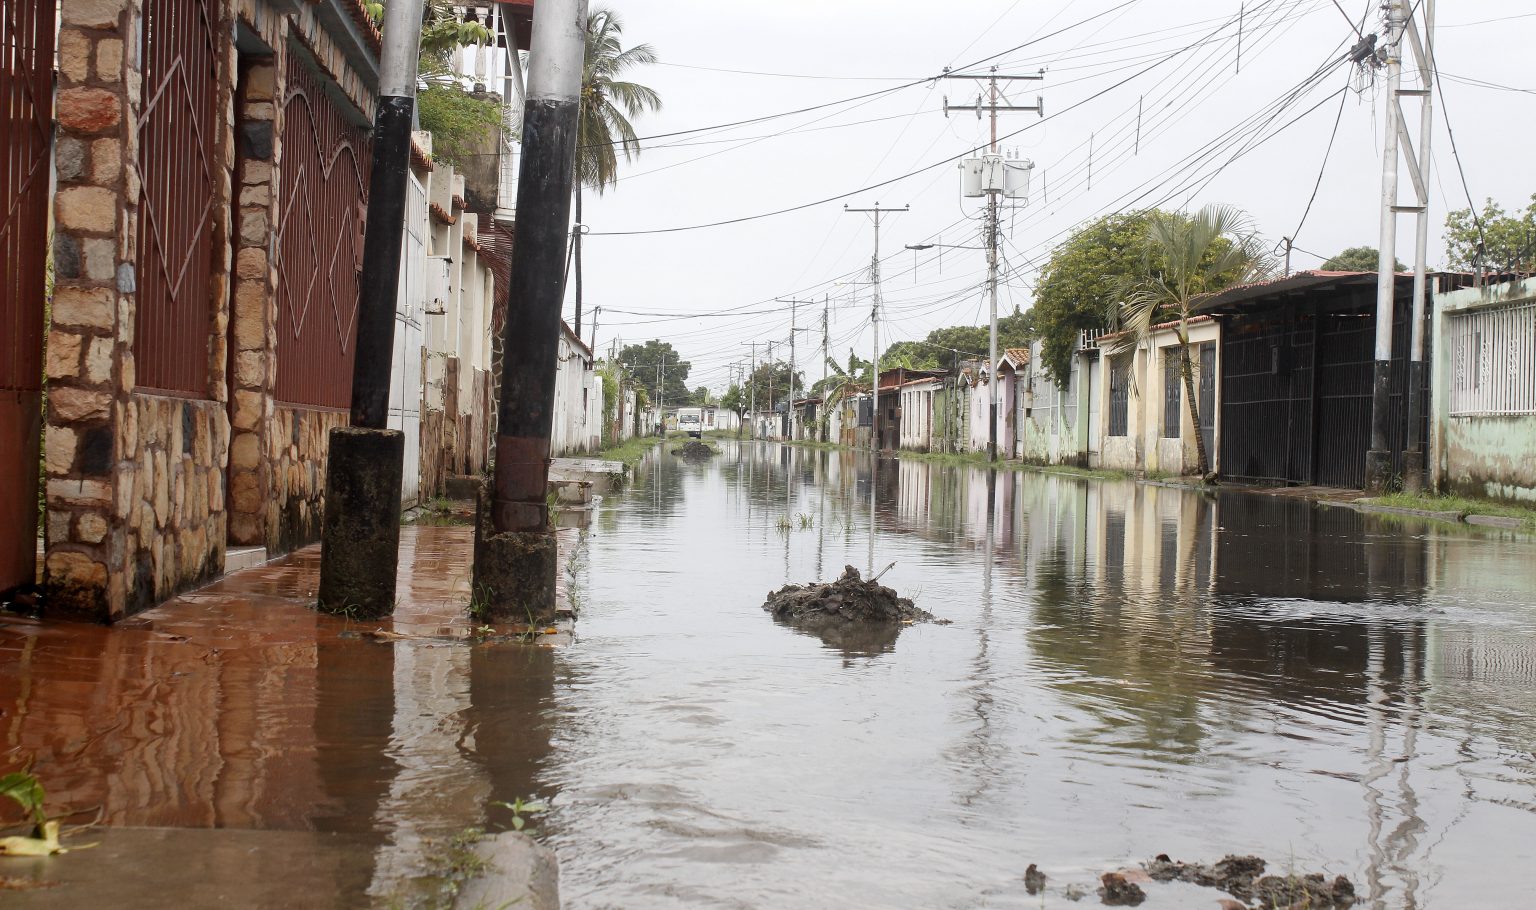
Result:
[
  {"x": 136, "y": 488},
  {"x": 300, "y": 439}
]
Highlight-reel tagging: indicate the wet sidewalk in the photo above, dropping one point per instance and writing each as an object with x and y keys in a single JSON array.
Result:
[{"x": 238, "y": 706}]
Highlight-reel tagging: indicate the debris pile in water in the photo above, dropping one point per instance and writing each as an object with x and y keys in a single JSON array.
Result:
[
  {"x": 695, "y": 449},
  {"x": 1118, "y": 891},
  {"x": 850, "y": 599},
  {"x": 1243, "y": 877}
]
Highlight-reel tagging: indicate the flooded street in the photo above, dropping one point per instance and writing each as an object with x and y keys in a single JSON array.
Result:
[{"x": 1129, "y": 670}]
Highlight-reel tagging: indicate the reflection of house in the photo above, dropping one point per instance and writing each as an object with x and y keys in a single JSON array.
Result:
[
  {"x": 1148, "y": 427},
  {"x": 1296, "y": 368},
  {"x": 1483, "y": 425}
]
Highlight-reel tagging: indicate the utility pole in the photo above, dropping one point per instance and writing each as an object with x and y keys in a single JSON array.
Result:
[
  {"x": 752, "y": 394},
  {"x": 991, "y": 227},
  {"x": 595, "y": 311},
  {"x": 360, "y": 550},
  {"x": 1398, "y": 143},
  {"x": 793, "y": 304},
  {"x": 515, "y": 548},
  {"x": 874, "y": 321},
  {"x": 770, "y": 382},
  {"x": 826, "y": 355}
]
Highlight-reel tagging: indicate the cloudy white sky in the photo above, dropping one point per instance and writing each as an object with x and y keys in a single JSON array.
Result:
[{"x": 731, "y": 61}]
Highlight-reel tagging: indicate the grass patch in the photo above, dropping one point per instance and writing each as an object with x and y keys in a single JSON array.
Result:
[
  {"x": 1464, "y": 505},
  {"x": 631, "y": 451}
]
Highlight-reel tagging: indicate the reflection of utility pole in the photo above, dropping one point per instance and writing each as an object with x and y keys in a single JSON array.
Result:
[
  {"x": 993, "y": 187},
  {"x": 1378, "y": 460},
  {"x": 874, "y": 321}
]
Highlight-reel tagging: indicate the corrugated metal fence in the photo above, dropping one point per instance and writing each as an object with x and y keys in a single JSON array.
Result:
[{"x": 26, "y": 96}]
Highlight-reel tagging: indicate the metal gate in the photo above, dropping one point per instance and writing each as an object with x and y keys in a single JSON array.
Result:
[
  {"x": 325, "y": 167},
  {"x": 178, "y": 161},
  {"x": 405, "y": 377},
  {"x": 26, "y": 96}
]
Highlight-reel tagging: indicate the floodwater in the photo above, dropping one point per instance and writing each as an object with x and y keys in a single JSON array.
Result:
[{"x": 1130, "y": 670}]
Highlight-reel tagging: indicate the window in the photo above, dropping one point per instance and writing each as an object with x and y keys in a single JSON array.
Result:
[
  {"x": 1493, "y": 354},
  {"x": 1119, "y": 396},
  {"x": 866, "y": 412},
  {"x": 1173, "y": 379}
]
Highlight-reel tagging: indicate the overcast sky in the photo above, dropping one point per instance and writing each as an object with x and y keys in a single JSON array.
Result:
[{"x": 731, "y": 61}]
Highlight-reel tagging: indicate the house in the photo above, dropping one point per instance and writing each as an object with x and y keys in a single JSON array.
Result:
[
  {"x": 1295, "y": 372},
  {"x": 1148, "y": 425},
  {"x": 441, "y": 392},
  {"x": 1012, "y": 396},
  {"x": 1483, "y": 398},
  {"x": 578, "y": 398},
  {"x": 888, "y": 421},
  {"x": 917, "y": 397},
  {"x": 207, "y": 249}
]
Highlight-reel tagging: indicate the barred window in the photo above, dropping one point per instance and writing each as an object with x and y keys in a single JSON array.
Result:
[
  {"x": 1493, "y": 354},
  {"x": 1172, "y": 393},
  {"x": 1119, "y": 396}
]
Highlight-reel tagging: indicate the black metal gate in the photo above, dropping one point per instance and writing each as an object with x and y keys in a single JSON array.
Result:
[
  {"x": 26, "y": 99},
  {"x": 1296, "y": 396}
]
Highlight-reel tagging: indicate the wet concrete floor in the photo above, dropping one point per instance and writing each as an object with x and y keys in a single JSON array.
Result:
[{"x": 1131, "y": 670}]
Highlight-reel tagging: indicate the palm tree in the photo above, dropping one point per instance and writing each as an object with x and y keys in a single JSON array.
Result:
[
  {"x": 1186, "y": 257},
  {"x": 607, "y": 104}
]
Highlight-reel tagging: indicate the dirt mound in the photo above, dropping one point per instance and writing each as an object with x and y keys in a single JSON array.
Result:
[
  {"x": 695, "y": 449},
  {"x": 1243, "y": 877},
  {"x": 850, "y": 599}
]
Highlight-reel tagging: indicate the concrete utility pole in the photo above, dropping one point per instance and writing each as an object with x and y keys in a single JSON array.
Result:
[
  {"x": 514, "y": 569},
  {"x": 826, "y": 355},
  {"x": 874, "y": 321},
  {"x": 1378, "y": 460},
  {"x": 752, "y": 394},
  {"x": 993, "y": 108},
  {"x": 360, "y": 550},
  {"x": 793, "y": 305}
]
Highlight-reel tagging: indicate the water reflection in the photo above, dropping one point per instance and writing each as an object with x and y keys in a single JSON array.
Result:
[{"x": 1133, "y": 669}]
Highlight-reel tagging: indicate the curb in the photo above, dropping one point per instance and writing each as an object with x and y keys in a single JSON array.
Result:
[{"x": 1486, "y": 521}]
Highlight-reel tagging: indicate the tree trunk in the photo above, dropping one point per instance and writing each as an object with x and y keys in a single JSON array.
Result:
[
  {"x": 576, "y": 252},
  {"x": 1203, "y": 464}
]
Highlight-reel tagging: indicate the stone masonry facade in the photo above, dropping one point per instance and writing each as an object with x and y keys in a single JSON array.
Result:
[{"x": 144, "y": 491}]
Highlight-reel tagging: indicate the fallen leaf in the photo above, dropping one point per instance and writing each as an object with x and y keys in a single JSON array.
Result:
[{"x": 47, "y": 845}]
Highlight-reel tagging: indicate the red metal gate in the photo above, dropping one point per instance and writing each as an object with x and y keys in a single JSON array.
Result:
[
  {"x": 326, "y": 160},
  {"x": 26, "y": 124},
  {"x": 178, "y": 161}
]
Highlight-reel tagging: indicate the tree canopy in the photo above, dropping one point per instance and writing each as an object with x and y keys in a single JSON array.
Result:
[
  {"x": 1186, "y": 256},
  {"x": 1507, "y": 240},
  {"x": 1080, "y": 280},
  {"x": 608, "y": 101},
  {"x": 1358, "y": 259},
  {"x": 642, "y": 361}
]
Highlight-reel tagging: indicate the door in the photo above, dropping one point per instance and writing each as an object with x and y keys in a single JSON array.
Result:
[
  {"x": 1208, "y": 401},
  {"x": 26, "y": 93},
  {"x": 405, "y": 389}
]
